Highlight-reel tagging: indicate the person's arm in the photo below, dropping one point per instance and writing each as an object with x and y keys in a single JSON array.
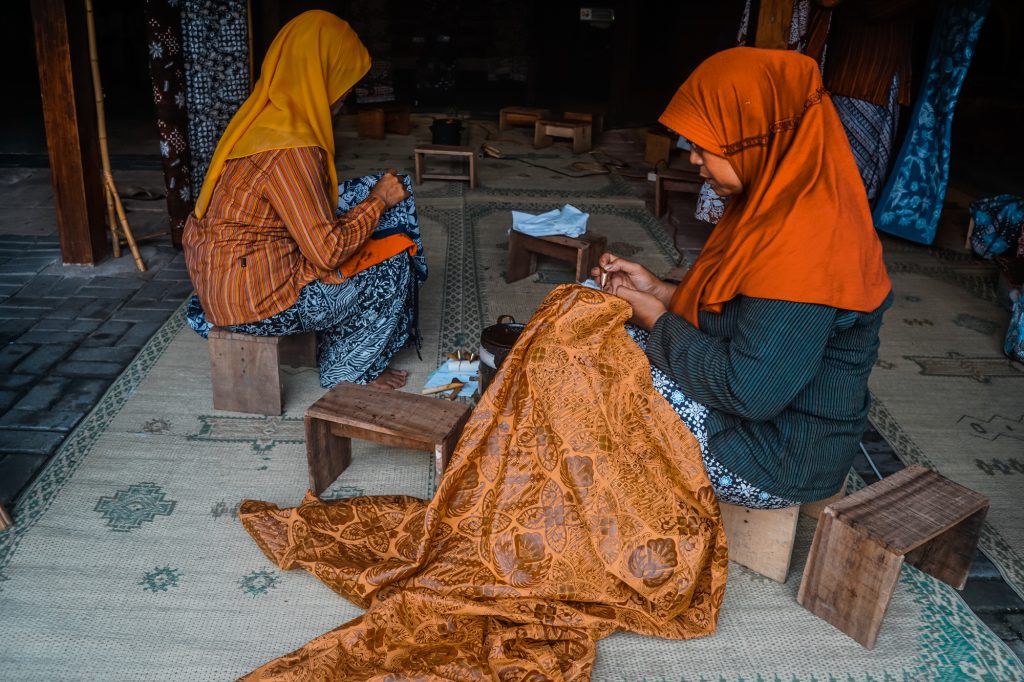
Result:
[
  {"x": 295, "y": 188},
  {"x": 774, "y": 353}
]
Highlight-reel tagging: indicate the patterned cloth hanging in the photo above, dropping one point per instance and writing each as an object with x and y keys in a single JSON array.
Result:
[
  {"x": 216, "y": 46},
  {"x": 167, "y": 72},
  {"x": 910, "y": 204}
]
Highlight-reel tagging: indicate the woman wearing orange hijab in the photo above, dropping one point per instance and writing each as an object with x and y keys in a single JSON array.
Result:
[
  {"x": 765, "y": 347},
  {"x": 265, "y": 250}
]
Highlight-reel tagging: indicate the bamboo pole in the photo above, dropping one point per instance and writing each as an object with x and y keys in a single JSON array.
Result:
[{"x": 114, "y": 206}]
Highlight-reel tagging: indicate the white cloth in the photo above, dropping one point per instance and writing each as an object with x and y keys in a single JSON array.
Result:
[{"x": 567, "y": 221}]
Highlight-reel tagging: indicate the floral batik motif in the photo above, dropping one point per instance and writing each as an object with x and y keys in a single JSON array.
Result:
[
  {"x": 167, "y": 72},
  {"x": 574, "y": 506}
]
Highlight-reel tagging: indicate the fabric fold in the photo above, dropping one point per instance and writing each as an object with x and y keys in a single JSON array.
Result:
[{"x": 575, "y": 505}]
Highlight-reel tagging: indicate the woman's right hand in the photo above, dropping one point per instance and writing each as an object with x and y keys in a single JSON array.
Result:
[
  {"x": 390, "y": 190},
  {"x": 622, "y": 272}
]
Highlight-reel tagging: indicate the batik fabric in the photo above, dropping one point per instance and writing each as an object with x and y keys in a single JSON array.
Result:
[
  {"x": 574, "y": 506},
  {"x": 871, "y": 130}
]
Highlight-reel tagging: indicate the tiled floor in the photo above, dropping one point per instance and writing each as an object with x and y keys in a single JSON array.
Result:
[{"x": 67, "y": 331}]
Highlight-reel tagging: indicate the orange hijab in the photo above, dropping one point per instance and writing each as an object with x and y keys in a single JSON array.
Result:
[
  {"x": 314, "y": 60},
  {"x": 801, "y": 229}
]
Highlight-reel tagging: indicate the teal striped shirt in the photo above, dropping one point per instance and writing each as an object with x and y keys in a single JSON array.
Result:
[{"x": 786, "y": 386}]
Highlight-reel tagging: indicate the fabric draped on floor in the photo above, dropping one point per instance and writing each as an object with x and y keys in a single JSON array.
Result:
[{"x": 575, "y": 505}]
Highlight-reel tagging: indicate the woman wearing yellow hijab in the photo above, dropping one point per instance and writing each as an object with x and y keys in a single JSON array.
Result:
[{"x": 264, "y": 248}]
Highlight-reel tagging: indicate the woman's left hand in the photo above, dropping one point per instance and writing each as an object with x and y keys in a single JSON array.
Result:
[{"x": 646, "y": 308}]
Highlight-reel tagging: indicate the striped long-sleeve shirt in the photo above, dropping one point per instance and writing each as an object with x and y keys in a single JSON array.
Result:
[
  {"x": 785, "y": 385},
  {"x": 269, "y": 230}
]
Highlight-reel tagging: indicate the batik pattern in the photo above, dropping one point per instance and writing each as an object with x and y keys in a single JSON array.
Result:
[
  {"x": 167, "y": 72},
  {"x": 910, "y": 204},
  {"x": 871, "y": 130},
  {"x": 728, "y": 487},
  {"x": 998, "y": 225},
  {"x": 216, "y": 45},
  {"x": 710, "y": 206},
  {"x": 574, "y": 505}
]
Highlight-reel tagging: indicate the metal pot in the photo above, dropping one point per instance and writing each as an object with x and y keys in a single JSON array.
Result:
[{"x": 495, "y": 343}]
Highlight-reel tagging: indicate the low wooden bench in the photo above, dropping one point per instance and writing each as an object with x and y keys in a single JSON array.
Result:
[
  {"x": 545, "y": 130},
  {"x": 520, "y": 116},
  {"x": 674, "y": 181},
  {"x": 583, "y": 252},
  {"x": 593, "y": 117},
  {"x": 861, "y": 542},
  {"x": 420, "y": 153},
  {"x": 763, "y": 539},
  {"x": 375, "y": 122},
  {"x": 396, "y": 418},
  {"x": 246, "y": 370}
]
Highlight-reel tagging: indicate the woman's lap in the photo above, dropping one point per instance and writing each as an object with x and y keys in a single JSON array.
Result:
[
  {"x": 728, "y": 487},
  {"x": 360, "y": 323}
]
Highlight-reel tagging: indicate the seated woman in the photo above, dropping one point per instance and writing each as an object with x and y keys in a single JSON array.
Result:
[
  {"x": 765, "y": 347},
  {"x": 264, "y": 248}
]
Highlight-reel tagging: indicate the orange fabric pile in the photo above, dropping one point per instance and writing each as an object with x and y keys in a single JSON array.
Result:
[{"x": 575, "y": 505}]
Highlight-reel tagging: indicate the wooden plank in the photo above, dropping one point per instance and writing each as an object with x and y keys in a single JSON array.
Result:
[
  {"x": 520, "y": 261},
  {"x": 761, "y": 539},
  {"x": 297, "y": 350},
  {"x": 813, "y": 509},
  {"x": 773, "y": 24},
  {"x": 849, "y": 579},
  {"x": 657, "y": 148},
  {"x": 370, "y": 123},
  {"x": 949, "y": 555},
  {"x": 445, "y": 150},
  {"x": 445, "y": 176},
  {"x": 326, "y": 454},
  {"x": 69, "y": 117},
  {"x": 244, "y": 373},
  {"x": 908, "y": 508}
]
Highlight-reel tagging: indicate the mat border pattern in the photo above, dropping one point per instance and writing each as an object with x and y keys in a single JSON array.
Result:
[
  {"x": 1005, "y": 558},
  {"x": 33, "y": 503}
]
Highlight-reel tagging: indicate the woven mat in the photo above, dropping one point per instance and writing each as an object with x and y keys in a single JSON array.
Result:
[
  {"x": 127, "y": 561},
  {"x": 945, "y": 395}
]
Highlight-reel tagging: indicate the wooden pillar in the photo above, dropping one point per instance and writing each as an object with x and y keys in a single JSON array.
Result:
[
  {"x": 69, "y": 115},
  {"x": 772, "y": 21}
]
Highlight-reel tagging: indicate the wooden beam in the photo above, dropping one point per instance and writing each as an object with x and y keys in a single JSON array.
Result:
[
  {"x": 772, "y": 22},
  {"x": 69, "y": 116}
]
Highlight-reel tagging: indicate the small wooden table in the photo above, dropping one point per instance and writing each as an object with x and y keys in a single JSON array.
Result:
[
  {"x": 405, "y": 420},
  {"x": 445, "y": 150},
  {"x": 545, "y": 130},
  {"x": 520, "y": 116},
  {"x": 861, "y": 542},
  {"x": 583, "y": 252},
  {"x": 246, "y": 370},
  {"x": 670, "y": 180}
]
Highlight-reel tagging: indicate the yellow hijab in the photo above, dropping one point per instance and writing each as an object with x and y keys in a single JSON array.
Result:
[{"x": 314, "y": 60}]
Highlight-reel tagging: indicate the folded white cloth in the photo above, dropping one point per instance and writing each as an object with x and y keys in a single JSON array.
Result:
[{"x": 568, "y": 221}]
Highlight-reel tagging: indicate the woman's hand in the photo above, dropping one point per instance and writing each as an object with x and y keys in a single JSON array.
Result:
[
  {"x": 389, "y": 189},
  {"x": 646, "y": 307},
  {"x": 625, "y": 273}
]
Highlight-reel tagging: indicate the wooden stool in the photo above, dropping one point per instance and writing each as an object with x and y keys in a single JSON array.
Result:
[
  {"x": 583, "y": 252},
  {"x": 374, "y": 123},
  {"x": 396, "y": 418},
  {"x": 763, "y": 539},
  {"x": 5, "y": 519},
  {"x": 246, "y": 370},
  {"x": 670, "y": 180},
  {"x": 658, "y": 147},
  {"x": 862, "y": 541},
  {"x": 520, "y": 116},
  {"x": 594, "y": 118},
  {"x": 445, "y": 150},
  {"x": 545, "y": 130}
]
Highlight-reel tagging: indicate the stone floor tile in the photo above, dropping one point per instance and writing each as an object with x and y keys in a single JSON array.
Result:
[
  {"x": 41, "y": 420},
  {"x": 983, "y": 568},
  {"x": 52, "y": 337},
  {"x": 104, "y": 353},
  {"x": 81, "y": 394},
  {"x": 118, "y": 294},
  {"x": 29, "y": 442},
  {"x": 14, "y": 382},
  {"x": 1015, "y": 621},
  {"x": 7, "y": 398},
  {"x": 67, "y": 286},
  {"x": 996, "y": 622},
  {"x": 44, "y": 393},
  {"x": 43, "y": 358},
  {"x": 18, "y": 311},
  {"x": 16, "y": 470},
  {"x": 12, "y": 353},
  {"x": 107, "y": 334},
  {"x": 991, "y": 596},
  {"x": 65, "y": 325},
  {"x": 1017, "y": 647},
  {"x": 12, "y": 328},
  {"x": 88, "y": 368},
  {"x": 141, "y": 315}
]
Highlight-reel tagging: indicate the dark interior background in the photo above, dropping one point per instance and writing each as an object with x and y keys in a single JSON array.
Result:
[{"x": 480, "y": 56}]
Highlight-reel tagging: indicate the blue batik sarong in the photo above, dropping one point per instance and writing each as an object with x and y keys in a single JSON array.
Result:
[{"x": 911, "y": 201}]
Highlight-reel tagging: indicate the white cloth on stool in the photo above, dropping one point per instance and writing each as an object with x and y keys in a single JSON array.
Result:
[{"x": 567, "y": 221}]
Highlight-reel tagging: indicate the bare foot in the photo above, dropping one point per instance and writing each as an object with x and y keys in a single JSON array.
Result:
[{"x": 391, "y": 379}]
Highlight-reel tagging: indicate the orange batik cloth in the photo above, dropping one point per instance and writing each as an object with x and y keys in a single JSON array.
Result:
[{"x": 576, "y": 505}]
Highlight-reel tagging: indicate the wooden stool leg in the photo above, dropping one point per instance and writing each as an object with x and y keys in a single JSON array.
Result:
[
  {"x": 5, "y": 519},
  {"x": 761, "y": 539},
  {"x": 419, "y": 167},
  {"x": 472, "y": 171},
  {"x": 245, "y": 375},
  {"x": 502, "y": 120},
  {"x": 540, "y": 137},
  {"x": 582, "y": 263},
  {"x": 660, "y": 198},
  {"x": 520, "y": 262},
  {"x": 849, "y": 580},
  {"x": 297, "y": 350},
  {"x": 581, "y": 140},
  {"x": 327, "y": 455}
]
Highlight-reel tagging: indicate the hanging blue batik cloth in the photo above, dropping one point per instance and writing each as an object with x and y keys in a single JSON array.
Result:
[{"x": 910, "y": 204}]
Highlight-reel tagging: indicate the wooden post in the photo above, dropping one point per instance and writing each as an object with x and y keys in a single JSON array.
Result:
[
  {"x": 69, "y": 116},
  {"x": 772, "y": 23}
]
